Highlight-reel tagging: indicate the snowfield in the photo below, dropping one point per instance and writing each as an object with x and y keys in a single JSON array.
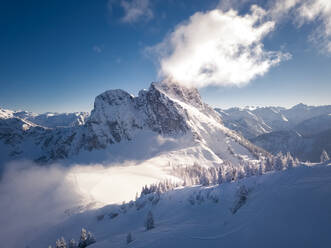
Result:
[
  {"x": 101, "y": 185},
  {"x": 282, "y": 209}
]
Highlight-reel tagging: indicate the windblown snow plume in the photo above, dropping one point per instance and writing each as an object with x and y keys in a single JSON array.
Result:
[{"x": 218, "y": 48}]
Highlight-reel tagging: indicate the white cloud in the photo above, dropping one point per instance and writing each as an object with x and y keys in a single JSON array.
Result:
[
  {"x": 136, "y": 10},
  {"x": 307, "y": 11},
  {"x": 218, "y": 48},
  {"x": 318, "y": 10}
]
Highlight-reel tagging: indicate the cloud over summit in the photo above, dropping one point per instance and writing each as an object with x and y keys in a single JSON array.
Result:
[
  {"x": 218, "y": 48},
  {"x": 223, "y": 47}
]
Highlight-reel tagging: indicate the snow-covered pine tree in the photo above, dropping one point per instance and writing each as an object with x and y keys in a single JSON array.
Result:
[
  {"x": 324, "y": 156},
  {"x": 129, "y": 238},
  {"x": 86, "y": 239},
  {"x": 204, "y": 180},
  {"x": 213, "y": 175},
  {"x": 149, "y": 223},
  {"x": 72, "y": 244},
  {"x": 220, "y": 177},
  {"x": 262, "y": 167},
  {"x": 279, "y": 161},
  {"x": 289, "y": 160},
  {"x": 269, "y": 164},
  {"x": 61, "y": 243}
]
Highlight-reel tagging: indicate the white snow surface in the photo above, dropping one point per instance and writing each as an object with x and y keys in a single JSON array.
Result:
[{"x": 283, "y": 209}]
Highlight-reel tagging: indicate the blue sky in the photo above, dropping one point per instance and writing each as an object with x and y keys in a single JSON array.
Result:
[{"x": 59, "y": 55}]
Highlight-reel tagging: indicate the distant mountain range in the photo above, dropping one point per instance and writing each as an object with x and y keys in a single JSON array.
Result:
[{"x": 302, "y": 130}]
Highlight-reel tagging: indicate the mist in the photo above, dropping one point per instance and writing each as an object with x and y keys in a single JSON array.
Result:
[
  {"x": 34, "y": 197},
  {"x": 31, "y": 198}
]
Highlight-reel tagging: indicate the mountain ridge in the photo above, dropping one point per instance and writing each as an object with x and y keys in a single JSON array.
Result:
[
  {"x": 278, "y": 129},
  {"x": 166, "y": 110}
]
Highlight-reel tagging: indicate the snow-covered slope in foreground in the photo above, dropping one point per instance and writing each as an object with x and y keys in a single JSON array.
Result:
[{"x": 283, "y": 209}]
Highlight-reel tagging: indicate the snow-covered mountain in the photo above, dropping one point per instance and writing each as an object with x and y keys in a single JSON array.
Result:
[
  {"x": 254, "y": 122},
  {"x": 167, "y": 117},
  {"x": 47, "y": 120},
  {"x": 299, "y": 130},
  {"x": 304, "y": 147}
]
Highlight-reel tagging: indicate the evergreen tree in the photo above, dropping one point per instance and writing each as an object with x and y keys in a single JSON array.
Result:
[
  {"x": 72, "y": 244},
  {"x": 149, "y": 223},
  {"x": 86, "y": 239},
  {"x": 269, "y": 164},
  {"x": 262, "y": 168},
  {"x": 279, "y": 162},
  {"x": 220, "y": 176},
  {"x": 324, "y": 157},
  {"x": 61, "y": 243},
  {"x": 290, "y": 160}
]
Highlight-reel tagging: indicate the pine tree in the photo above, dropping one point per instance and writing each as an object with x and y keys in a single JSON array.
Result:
[
  {"x": 61, "y": 243},
  {"x": 129, "y": 238},
  {"x": 72, "y": 244},
  {"x": 149, "y": 223},
  {"x": 262, "y": 168},
  {"x": 269, "y": 164},
  {"x": 86, "y": 239},
  {"x": 279, "y": 162},
  {"x": 290, "y": 160},
  {"x": 220, "y": 176},
  {"x": 324, "y": 157}
]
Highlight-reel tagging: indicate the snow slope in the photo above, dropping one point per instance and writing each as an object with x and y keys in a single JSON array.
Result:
[{"x": 283, "y": 209}]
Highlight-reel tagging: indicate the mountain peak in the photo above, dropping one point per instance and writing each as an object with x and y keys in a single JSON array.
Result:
[
  {"x": 300, "y": 106},
  {"x": 179, "y": 92}
]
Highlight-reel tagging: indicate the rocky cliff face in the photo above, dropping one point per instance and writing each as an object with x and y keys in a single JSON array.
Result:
[
  {"x": 168, "y": 110},
  {"x": 117, "y": 115}
]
